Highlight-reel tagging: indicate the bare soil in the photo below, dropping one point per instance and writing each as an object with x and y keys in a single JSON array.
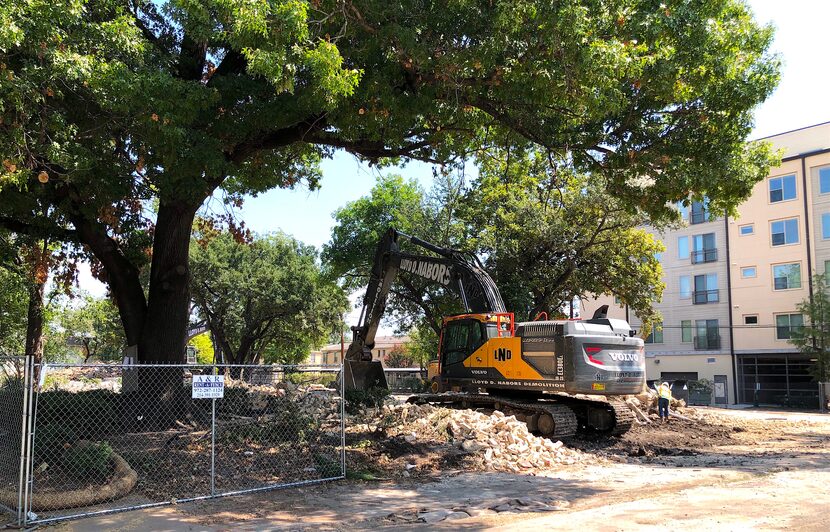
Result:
[{"x": 724, "y": 470}]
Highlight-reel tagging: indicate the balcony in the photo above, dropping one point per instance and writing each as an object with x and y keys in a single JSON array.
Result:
[
  {"x": 698, "y": 216},
  {"x": 703, "y": 297},
  {"x": 704, "y": 255},
  {"x": 707, "y": 342}
]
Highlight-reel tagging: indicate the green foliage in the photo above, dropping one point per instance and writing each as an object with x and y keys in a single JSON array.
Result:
[
  {"x": 326, "y": 379},
  {"x": 88, "y": 462},
  {"x": 267, "y": 300},
  {"x": 116, "y": 106},
  {"x": 51, "y": 440},
  {"x": 14, "y": 298},
  {"x": 423, "y": 345},
  {"x": 88, "y": 415},
  {"x": 394, "y": 202},
  {"x": 545, "y": 236},
  {"x": 399, "y": 357},
  {"x": 204, "y": 348},
  {"x": 550, "y": 235},
  {"x": 93, "y": 325},
  {"x": 813, "y": 338},
  {"x": 701, "y": 386},
  {"x": 374, "y": 397}
]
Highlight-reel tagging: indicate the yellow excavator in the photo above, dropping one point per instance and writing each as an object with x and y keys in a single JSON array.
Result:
[{"x": 558, "y": 376}]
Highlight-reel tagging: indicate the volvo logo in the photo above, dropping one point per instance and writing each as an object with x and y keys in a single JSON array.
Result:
[{"x": 623, "y": 357}]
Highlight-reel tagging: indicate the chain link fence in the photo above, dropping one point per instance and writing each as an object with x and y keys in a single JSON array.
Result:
[
  {"x": 13, "y": 398},
  {"x": 111, "y": 437}
]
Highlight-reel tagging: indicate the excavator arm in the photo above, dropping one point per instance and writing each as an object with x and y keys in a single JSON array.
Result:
[{"x": 455, "y": 270}]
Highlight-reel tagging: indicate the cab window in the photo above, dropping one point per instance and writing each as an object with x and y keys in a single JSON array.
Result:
[{"x": 461, "y": 338}]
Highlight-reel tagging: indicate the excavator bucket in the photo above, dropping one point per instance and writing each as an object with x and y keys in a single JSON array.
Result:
[{"x": 360, "y": 375}]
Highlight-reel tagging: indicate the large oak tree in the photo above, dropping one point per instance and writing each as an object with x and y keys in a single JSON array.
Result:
[{"x": 107, "y": 106}]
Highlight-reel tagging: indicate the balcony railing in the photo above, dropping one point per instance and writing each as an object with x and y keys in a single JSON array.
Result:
[
  {"x": 708, "y": 342},
  {"x": 702, "y": 297},
  {"x": 704, "y": 255},
  {"x": 698, "y": 217}
]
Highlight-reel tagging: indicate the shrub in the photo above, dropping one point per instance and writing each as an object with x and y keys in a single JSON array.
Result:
[
  {"x": 88, "y": 462},
  {"x": 88, "y": 414},
  {"x": 51, "y": 441},
  {"x": 373, "y": 397}
]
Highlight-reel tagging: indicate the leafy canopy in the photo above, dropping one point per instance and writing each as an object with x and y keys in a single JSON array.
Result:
[
  {"x": 109, "y": 105},
  {"x": 265, "y": 301}
]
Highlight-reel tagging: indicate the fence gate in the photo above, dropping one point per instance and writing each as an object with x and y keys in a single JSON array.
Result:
[{"x": 80, "y": 440}]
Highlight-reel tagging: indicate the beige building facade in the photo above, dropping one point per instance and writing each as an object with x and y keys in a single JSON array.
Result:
[
  {"x": 384, "y": 346},
  {"x": 733, "y": 285}
]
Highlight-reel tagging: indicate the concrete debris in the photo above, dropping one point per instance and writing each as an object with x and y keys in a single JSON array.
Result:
[{"x": 502, "y": 442}]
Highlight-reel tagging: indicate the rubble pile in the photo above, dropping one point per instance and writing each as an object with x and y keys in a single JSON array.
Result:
[{"x": 502, "y": 442}]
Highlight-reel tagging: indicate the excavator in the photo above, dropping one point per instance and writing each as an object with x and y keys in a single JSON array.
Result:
[{"x": 558, "y": 376}]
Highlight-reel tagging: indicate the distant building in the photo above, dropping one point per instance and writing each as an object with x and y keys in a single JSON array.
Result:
[{"x": 384, "y": 345}]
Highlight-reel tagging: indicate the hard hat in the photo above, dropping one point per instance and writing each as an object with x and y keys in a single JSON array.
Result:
[{"x": 665, "y": 384}]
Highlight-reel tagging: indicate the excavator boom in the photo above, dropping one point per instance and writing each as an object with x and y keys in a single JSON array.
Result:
[{"x": 455, "y": 270}]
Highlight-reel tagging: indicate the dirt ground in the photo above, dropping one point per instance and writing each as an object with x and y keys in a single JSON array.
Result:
[{"x": 727, "y": 470}]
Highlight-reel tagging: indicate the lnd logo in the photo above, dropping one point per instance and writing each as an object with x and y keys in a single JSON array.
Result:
[{"x": 503, "y": 354}]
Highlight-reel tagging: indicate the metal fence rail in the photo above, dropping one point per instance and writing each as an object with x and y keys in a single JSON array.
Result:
[{"x": 109, "y": 438}]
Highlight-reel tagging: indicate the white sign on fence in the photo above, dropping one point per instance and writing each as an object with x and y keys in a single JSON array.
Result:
[{"x": 208, "y": 386}]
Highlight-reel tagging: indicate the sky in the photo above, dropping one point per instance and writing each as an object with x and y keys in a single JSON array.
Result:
[{"x": 801, "y": 99}]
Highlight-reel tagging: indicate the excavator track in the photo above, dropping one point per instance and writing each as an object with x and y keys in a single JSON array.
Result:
[
  {"x": 549, "y": 418},
  {"x": 610, "y": 417},
  {"x": 568, "y": 414}
]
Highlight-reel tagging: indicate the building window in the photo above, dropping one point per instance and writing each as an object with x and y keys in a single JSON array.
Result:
[
  {"x": 617, "y": 300},
  {"x": 750, "y": 319},
  {"x": 656, "y": 335},
  {"x": 685, "y": 287},
  {"x": 683, "y": 210},
  {"x": 782, "y": 188},
  {"x": 824, "y": 180},
  {"x": 707, "y": 335},
  {"x": 825, "y": 226},
  {"x": 686, "y": 331},
  {"x": 704, "y": 249},
  {"x": 748, "y": 229},
  {"x": 711, "y": 360},
  {"x": 748, "y": 272},
  {"x": 786, "y": 324},
  {"x": 706, "y": 289},
  {"x": 683, "y": 247},
  {"x": 827, "y": 267},
  {"x": 786, "y": 276},
  {"x": 700, "y": 211},
  {"x": 784, "y": 232}
]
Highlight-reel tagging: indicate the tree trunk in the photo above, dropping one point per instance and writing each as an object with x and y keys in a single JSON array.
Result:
[
  {"x": 34, "y": 325},
  {"x": 164, "y": 333},
  {"x": 162, "y": 396}
]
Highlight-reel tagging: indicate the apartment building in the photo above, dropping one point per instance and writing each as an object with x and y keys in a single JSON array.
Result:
[{"x": 733, "y": 285}]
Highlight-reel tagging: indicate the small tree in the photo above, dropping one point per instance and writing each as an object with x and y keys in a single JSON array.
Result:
[
  {"x": 813, "y": 338},
  {"x": 264, "y": 301},
  {"x": 94, "y": 327}
]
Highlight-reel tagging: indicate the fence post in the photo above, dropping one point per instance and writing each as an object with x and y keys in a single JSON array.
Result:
[
  {"x": 31, "y": 417},
  {"x": 213, "y": 442},
  {"x": 822, "y": 397},
  {"x": 24, "y": 434},
  {"x": 342, "y": 419}
]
